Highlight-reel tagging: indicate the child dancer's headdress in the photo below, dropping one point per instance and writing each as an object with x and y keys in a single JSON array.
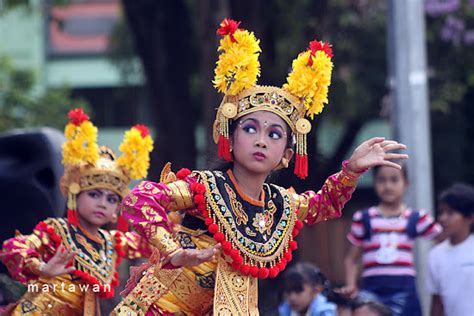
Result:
[
  {"x": 88, "y": 166},
  {"x": 304, "y": 94}
]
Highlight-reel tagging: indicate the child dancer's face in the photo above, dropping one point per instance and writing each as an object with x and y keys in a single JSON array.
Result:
[
  {"x": 390, "y": 185},
  {"x": 97, "y": 207},
  {"x": 300, "y": 301},
  {"x": 260, "y": 142},
  {"x": 453, "y": 222}
]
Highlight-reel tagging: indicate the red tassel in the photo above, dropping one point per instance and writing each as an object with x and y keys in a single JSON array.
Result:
[
  {"x": 224, "y": 148},
  {"x": 219, "y": 237},
  {"x": 245, "y": 269},
  {"x": 238, "y": 260},
  {"x": 301, "y": 166},
  {"x": 263, "y": 273},
  {"x": 226, "y": 247},
  {"x": 295, "y": 232},
  {"x": 199, "y": 199},
  {"x": 273, "y": 272},
  {"x": 293, "y": 245},
  {"x": 122, "y": 224},
  {"x": 254, "y": 271},
  {"x": 298, "y": 224},
  {"x": 234, "y": 253},
  {"x": 183, "y": 173},
  {"x": 288, "y": 256},
  {"x": 72, "y": 218},
  {"x": 236, "y": 265},
  {"x": 213, "y": 228}
]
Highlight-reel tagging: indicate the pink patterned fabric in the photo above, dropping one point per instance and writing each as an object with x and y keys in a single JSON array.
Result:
[
  {"x": 330, "y": 200},
  {"x": 145, "y": 207},
  {"x": 15, "y": 255},
  {"x": 132, "y": 244},
  {"x": 18, "y": 253}
]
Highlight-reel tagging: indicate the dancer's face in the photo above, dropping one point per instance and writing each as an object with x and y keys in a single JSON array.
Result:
[
  {"x": 260, "y": 142},
  {"x": 97, "y": 207}
]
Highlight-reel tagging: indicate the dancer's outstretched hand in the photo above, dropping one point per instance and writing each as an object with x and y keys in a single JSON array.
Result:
[
  {"x": 193, "y": 257},
  {"x": 59, "y": 263},
  {"x": 374, "y": 152}
]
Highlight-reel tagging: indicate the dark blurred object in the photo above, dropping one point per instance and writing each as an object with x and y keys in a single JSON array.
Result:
[
  {"x": 30, "y": 171},
  {"x": 10, "y": 290}
]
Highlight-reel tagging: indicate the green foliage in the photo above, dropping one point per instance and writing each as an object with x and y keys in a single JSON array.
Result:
[
  {"x": 451, "y": 87},
  {"x": 450, "y": 55},
  {"x": 21, "y": 106},
  {"x": 358, "y": 33}
]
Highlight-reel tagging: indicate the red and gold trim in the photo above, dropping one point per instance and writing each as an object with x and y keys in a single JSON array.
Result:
[
  {"x": 104, "y": 291},
  {"x": 255, "y": 269}
]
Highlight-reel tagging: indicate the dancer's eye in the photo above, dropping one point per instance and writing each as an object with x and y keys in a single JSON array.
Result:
[
  {"x": 275, "y": 134},
  {"x": 251, "y": 129},
  {"x": 93, "y": 194},
  {"x": 113, "y": 199}
]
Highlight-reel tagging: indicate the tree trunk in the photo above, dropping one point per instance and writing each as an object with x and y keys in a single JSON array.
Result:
[
  {"x": 162, "y": 36},
  {"x": 207, "y": 22}
]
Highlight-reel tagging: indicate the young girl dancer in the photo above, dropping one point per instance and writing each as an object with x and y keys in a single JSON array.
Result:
[
  {"x": 258, "y": 130},
  {"x": 68, "y": 263}
]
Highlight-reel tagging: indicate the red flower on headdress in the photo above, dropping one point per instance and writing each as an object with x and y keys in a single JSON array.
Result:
[
  {"x": 315, "y": 46},
  {"x": 77, "y": 116},
  {"x": 144, "y": 131},
  {"x": 228, "y": 27}
]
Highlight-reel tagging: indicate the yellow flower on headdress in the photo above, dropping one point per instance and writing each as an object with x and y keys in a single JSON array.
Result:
[
  {"x": 238, "y": 66},
  {"x": 136, "y": 148},
  {"x": 81, "y": 140},
  {"x": 311, "y": 76}
]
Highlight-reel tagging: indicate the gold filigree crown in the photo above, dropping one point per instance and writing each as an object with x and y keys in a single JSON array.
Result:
[
  {"x": 264, "y": 98},
  {"x": 88, "y": 166},
  {"x": 105, "y": 174},
  {"x": 304, "y": 94}
]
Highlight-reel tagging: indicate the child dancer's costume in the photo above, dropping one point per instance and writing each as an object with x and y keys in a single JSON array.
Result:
[
  {"x": 87, "y": 167},
  {"x": 257, "y": 236}
]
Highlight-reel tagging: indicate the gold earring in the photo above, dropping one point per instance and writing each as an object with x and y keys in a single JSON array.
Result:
[
  {"x": 284, "y": 162},
  {"x": 114, "y": 218}
]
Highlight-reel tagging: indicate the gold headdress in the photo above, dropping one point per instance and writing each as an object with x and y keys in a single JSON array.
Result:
[
  {"x": 304, "y": 94},
  {"x": 88, "y": 166}
]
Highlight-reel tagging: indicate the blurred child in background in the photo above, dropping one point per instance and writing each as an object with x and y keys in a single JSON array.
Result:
[
  {"x": 451, "y": 264},
  {"x": 384, "y": 237},
  {"x": 370, "y": 308},
  {"x": 305, "y": 286}
]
